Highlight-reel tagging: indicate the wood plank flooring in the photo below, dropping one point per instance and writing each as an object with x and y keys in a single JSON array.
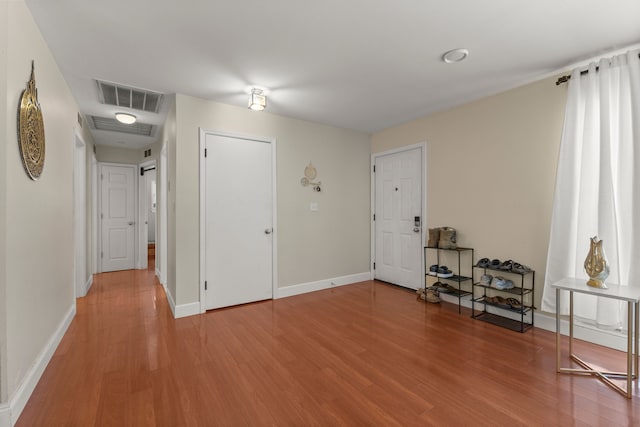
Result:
[{"x": 362, "y": 354}]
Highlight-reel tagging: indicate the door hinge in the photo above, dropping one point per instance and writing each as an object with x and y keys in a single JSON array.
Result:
[
  {"x": 374, "y": 168},
  {"x": 205, "y": 152},
  {"x": 374, "y": 217},
  {"x": 205, "y": 285},
  {"x": 374, "y": 265}
]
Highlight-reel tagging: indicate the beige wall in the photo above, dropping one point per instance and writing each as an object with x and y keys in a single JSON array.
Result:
[
  {"x": 312, "y": 246},
  {"x": 109, "y": 154},
  {"x": 39, "y": 214},
  {"x": 6, "y": 136},
  {"x": 491, "y": 170}
]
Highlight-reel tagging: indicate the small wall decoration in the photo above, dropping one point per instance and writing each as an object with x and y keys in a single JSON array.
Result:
[
  {"x": 310, "y": 174},
  {"x": 31, "y": 129}
]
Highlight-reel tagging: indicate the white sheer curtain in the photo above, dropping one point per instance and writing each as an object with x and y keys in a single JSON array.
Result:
[{"x": 598, "y": 186}]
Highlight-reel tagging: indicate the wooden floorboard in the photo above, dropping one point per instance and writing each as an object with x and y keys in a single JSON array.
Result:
[{"x": 362, "y": 354}]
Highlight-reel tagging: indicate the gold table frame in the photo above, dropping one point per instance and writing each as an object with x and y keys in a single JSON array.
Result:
[{"x": 623, "y": 293}]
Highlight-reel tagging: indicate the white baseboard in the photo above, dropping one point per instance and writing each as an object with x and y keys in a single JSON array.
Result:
[
  {"x": 319, "y": 285},
  {"x": 547, "y": 321},
  {"x": 18, "y": 401},
  {"x": 172, "y": 303},
  {"x": 87, "y": 285},
  {"x": 184, "y": 310},
  {"x": 5, "y": 416}
]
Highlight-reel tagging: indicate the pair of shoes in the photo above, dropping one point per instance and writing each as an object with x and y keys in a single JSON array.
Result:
[
  {"x": 514, "y": 303},
  {"x": 486, "y": 279},
  {"x": 444, "y": 272},
  {"x": 433, "y": 270},
  {"x": 501, "y": 283},
  {"x": 494, "y": 263},
  {"x": 432, "y": 296},
  {"x": 497, "y": 301},
  {"x": 506, "y": 266},
  {"x": 439, "y": 287}
]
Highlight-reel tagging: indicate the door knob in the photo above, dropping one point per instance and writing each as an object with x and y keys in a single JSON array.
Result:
[
  {"x": 131, "y": 222},
  {"x": 416, "y": 230},
  {"x": 268, "y": 230}
]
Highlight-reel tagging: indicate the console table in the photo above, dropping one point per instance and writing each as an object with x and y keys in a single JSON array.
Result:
[{"x": 621, "y": 293}]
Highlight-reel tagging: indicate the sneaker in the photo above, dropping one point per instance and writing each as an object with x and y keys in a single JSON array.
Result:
[
  {"x": 439, "y": 287},
  {"x": 433, "y": 270},
  {"x": 484, "y": 262},
  {"x": 444, "y": 272},
  {"x": 502, "y": 283},
  {"x": 486, "y": 279},
  {"x": 494, "y": 264}
]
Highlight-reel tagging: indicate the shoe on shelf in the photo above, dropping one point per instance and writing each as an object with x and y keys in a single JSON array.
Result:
[
  {"x": 433, "y": 270},
  {"x": 501, "y": 283},
  {"x": 484, "y": 262},
  {"x": 495, "y": 263},
  {"x": 506, "y": 266},
  {"x": 501, "y": 302},
  {"x": 486, "y": 279},
  {"x": 444, "y": 272},
  {"x": 519, "y": 268},
  {"x": 439, "y": 287}
]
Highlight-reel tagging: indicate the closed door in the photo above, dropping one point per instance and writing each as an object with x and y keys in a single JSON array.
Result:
[
  {"x": 238, "y": 220},
  {"x": 398, "y": 218},
  {"x": 118, "y": 217}
]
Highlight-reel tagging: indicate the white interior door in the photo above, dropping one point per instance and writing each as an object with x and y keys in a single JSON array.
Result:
[
  {"x": 398, "y": 218},
  {"x": 118, "y": 217},
  {"x": 238, "y": 220}
]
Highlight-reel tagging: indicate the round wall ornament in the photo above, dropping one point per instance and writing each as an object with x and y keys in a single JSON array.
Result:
[{"x": 31, "y": 129}]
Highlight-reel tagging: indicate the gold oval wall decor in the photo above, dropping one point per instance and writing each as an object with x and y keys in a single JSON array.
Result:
[{"x": 31, "y": 129}]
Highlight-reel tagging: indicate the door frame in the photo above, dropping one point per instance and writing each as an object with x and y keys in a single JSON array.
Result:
[
  {"x": 80, "y": 253},
  {"x": 423, "y": 146},
  {"x": 274, "y": 199},
  {"x": 135, "y": 207},
  {"x": 143, "y": 197},
  {"x": 162, "y": 212}
]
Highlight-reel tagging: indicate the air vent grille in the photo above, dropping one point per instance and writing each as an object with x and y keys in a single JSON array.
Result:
[
  {"x": 123, "y": 96},
  {"x": 112, "y": 125}
]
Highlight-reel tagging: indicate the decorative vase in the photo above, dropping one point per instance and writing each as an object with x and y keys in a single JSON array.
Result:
[{"x": 596, "y": 264}]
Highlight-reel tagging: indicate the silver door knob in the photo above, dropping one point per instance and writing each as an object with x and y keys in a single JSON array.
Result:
[
  {"x": 268, "y": 230},
  {"x": 416, "y": 230},
  {"x": 131, "y": 222}
]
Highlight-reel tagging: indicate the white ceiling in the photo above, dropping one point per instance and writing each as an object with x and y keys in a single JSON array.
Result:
[{"x": 358, "y": 64}]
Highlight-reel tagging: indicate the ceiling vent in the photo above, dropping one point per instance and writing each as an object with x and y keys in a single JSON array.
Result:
[
  {"x": 112, "y": 125},
  {"x": 122, "y": 96}
]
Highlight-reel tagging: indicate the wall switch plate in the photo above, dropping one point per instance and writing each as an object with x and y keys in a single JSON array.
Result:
[{"x": 313, "y": 206}]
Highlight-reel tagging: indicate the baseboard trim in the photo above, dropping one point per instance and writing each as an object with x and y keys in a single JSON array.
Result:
[
  {"x": 5, "y": 416},
  {"x": 20, "y": 398},
  {"x": 319, "y": 285},
  {"x": 172, "y": 303},
  {"x": 547, "y": 321},
  {"x": 87, "y": 285},
  {"x": 184, "y": 310}
]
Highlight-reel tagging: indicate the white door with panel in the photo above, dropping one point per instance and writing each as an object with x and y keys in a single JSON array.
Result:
[
  {"x": 118, "y": 217},
  {"x": 238, "y": 220},
  {"x": 398, "y": 218}
]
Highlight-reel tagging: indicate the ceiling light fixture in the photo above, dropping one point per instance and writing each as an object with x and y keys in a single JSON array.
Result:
[
  {"x": 126, "y": 118},
  {"x": 257, "y": 99},
  {"x": 455, "y": 55}
]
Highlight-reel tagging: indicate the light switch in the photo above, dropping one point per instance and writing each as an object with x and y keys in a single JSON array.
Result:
[{"x": 313, "y": 206}]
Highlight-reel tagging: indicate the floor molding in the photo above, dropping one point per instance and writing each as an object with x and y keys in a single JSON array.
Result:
[
  {"x": 87, "y": 285},
  {"x": 172, "y": 303},
  {"x": 547, "y": 321},
  {"x": 19, "y": 400},
  {"x": 184, "y": 310},
  {"x": 5, "y": 416},
  {"x": 319, "y": 285}
]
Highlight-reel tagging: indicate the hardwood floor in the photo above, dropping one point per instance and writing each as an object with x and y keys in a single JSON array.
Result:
[{"x": 362, "y": 354}]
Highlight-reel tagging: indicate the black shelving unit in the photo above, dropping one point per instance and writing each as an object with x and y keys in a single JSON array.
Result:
[
  {"x": 525, "y": 291},
  {"x": 458, "y": 279}
]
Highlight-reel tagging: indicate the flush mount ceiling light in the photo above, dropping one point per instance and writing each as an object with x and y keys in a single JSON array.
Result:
[
  {"x": 126, "y": 118},
  {"x": 257, "y": 99},
  {"x": 455, "y": 55}
]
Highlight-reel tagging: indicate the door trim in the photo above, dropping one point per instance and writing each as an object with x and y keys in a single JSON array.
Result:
[
  {"x": 80, "y": 214},
  {"x": 274, "y": 204},
  {"x": 142, "y": 235},
  {"x": 135, "y": 207},
  {"x": 423, "y": 146}
]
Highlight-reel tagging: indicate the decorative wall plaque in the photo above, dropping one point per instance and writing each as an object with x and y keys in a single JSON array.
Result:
[{"x": 31, "y": 129}]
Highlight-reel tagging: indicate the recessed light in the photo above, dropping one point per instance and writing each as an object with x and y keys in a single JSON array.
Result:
[
  {"x": 455, "y": 55},
  {"x": 126, "y": 118}
]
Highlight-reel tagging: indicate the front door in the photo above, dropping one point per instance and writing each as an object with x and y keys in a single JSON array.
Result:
[
  {"x": 238, "y": 220},
  {"x": 398, "y": 218},
  {"x": 118, "y": 217}
]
